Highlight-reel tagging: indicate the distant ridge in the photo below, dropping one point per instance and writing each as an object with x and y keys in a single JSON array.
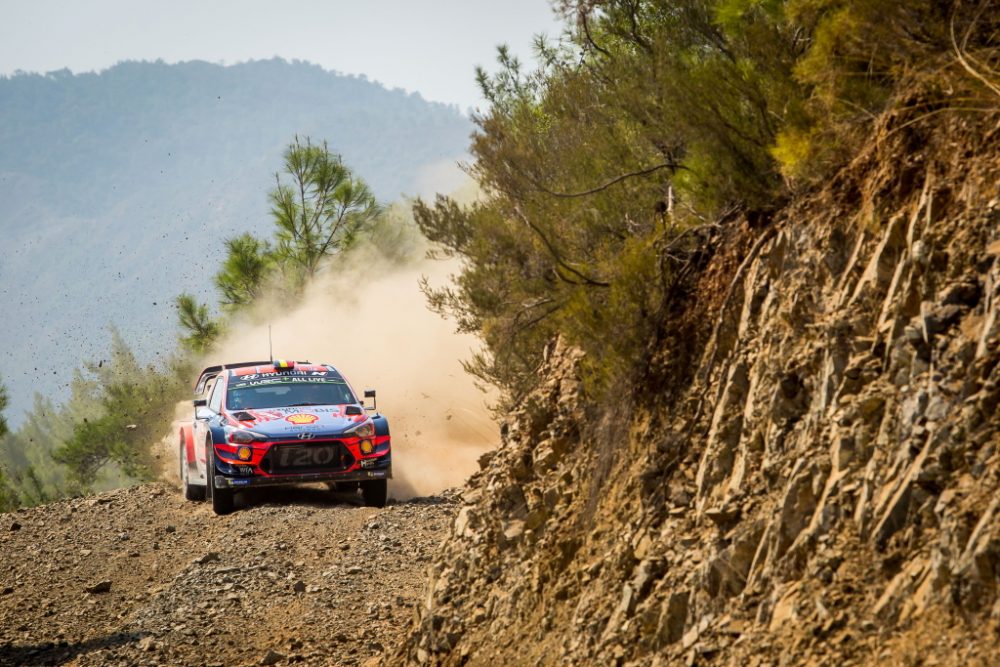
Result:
[{"x": 118, "y": 187}]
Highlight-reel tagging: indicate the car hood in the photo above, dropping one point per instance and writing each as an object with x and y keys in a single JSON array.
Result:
[{"x": 320, "y": 420}]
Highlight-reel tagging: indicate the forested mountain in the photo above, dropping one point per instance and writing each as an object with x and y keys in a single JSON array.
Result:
[{"x": 118, "y": 188}]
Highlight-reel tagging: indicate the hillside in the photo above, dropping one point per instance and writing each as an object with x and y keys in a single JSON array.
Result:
[
  {"x": 105, "y": 175},
  {"x": 820, "y": 487}
]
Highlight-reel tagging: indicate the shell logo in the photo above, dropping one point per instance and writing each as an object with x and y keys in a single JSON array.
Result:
[{"x": 301, "y": 418}]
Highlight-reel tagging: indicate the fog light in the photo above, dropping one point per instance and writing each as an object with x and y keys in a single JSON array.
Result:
[
  {"x": 367, "y": 447},
  {"x": 244, "y": 453}
]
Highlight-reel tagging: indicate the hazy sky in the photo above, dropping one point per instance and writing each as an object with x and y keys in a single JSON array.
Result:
[{"x": 429, "y": 46}]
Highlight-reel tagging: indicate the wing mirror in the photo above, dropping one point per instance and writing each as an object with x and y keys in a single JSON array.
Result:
[
  {"x": 203, "y": 413},
  {"x": 200, "y": 402},
  {"x": 370, "y": 393}
]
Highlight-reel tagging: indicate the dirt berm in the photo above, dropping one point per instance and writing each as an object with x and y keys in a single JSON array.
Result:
[
  {"x": 140, "y": 577},
  {"x": 823, "y": 486}
]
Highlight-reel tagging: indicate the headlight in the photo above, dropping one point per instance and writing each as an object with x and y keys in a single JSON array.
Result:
[
  {"x": 366, "y": 430},
  {"x": 241, "y": 436}
]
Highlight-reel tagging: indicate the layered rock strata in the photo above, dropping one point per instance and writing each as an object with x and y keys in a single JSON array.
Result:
[{"x": 826, "y": 490}]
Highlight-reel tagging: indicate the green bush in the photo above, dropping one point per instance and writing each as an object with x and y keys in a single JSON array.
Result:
[
  {"x": 132, "y": 402},
  {"x": 652, "y": 117},
  {"x": 867, "y": 56}
]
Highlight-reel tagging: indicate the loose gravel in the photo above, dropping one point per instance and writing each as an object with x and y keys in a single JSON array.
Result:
[{"x": 138, "y": 576}]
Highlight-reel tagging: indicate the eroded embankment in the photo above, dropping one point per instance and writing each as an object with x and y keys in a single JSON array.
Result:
[
  {"x": 140, "y": 577},
  {"x": 826, "y": 490}
]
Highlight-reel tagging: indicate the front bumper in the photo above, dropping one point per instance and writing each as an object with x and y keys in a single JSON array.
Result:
[
  {"x": 222, "y": 481},
  {"x": 262, "y": 470}
]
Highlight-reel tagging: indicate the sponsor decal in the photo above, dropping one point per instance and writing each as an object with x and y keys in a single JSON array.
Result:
[
  {"x": 267, "y": 415},
  {"x": 257, "y": 376},
  {"x": 303, "y": 457},
  {"x": 250, "y": 381},
  {"x": 301, "y": 418},
  {"x": 270, "y": 414}
]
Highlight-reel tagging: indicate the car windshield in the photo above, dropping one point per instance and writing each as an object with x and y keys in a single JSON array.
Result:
[{"x": 279, "y": 394}]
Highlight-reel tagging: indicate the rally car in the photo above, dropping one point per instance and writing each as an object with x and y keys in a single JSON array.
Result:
[{"x": 266, "y": 423}]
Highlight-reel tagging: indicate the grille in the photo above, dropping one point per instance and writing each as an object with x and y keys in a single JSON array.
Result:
[{"x": 329, "y": 456}]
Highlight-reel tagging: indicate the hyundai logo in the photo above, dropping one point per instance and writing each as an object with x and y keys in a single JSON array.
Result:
[{"x": 306, "y": 436}]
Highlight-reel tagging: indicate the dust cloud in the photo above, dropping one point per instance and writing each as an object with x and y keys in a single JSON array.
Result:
[
  {"x": 371, "y": 322},
  {"x": 167, "y": 451}
]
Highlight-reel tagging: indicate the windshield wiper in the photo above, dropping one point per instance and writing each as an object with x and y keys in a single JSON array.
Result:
[{"x": 297, "y": 405}]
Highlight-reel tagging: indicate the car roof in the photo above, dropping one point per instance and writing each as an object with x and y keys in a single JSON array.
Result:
[
  {"x": 269, "y": 367},
  {"x": 250, "y": 367}
]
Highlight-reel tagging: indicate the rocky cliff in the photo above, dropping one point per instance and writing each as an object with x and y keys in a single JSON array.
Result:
[{"x": 821, "y": 487}]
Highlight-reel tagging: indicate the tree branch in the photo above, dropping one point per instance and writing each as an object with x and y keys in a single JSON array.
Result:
[
  {"x": 634, "y": 31},
  {"x": 555, "y": 254},
  {"x": 961, "y": 55},
  {"x": 586, "y": 31},
  {"x": 614, "y": 181}
]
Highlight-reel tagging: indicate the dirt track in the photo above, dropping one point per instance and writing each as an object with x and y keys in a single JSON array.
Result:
[{"x": 293, "y": 576}]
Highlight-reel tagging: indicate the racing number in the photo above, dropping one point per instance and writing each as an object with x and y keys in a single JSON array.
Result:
[{"x": 295, "y": 457}]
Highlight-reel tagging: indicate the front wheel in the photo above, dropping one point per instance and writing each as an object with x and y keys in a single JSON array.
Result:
[
  {"x": 222, "y": 498},
  {"x": 375, "y": 492}
]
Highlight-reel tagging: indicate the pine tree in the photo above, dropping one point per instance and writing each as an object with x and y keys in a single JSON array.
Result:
[
  {"x": 245, "y": 270},
  {"x": 194, "y": 319},
  {"x": 135, "y": 402},
  {"x": 321, "y": 210}
]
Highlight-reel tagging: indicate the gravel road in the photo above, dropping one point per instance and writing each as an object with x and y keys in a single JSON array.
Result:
[{"x": 138, "y": 576}]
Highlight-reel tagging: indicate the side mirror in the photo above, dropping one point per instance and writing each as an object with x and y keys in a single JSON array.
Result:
[
  {"x": 370, "y": 393},
  {"x": 203, "y": 413},
  {"x": 200, "y": 402}
]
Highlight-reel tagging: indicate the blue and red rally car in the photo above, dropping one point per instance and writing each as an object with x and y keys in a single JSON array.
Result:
[{"x": 266, "y": 423}]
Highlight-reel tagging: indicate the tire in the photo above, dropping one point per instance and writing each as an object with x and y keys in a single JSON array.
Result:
[
  {"x": 375, "y": 492},
  {"x": 191, "y": 491},
  {"x": 222, "y": 499}
]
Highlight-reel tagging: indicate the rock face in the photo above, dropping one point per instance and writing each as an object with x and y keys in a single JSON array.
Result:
[{"x": 827, "y": 489}]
